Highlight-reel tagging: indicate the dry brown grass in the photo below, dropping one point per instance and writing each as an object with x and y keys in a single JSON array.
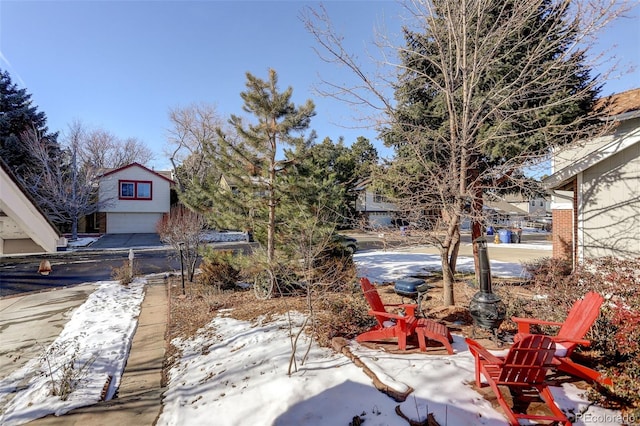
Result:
[{"x": 336, "y": 314}]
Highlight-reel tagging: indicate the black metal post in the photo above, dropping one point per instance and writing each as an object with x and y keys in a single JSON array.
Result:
[{"x": 485, "y": 268}]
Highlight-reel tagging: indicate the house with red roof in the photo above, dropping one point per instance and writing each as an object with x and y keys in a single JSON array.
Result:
[{"x": 133, "y": 199}]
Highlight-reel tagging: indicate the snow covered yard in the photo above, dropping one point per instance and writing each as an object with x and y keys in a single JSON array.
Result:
[
  {"x": 90, "y": 352},
  {"x": 234, "y": 372}
]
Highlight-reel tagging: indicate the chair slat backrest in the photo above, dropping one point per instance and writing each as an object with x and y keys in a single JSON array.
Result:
[
  {"x": 528, "y": 361},
  {"x": 373, "y": 298},
  {"x": 581, "y": 316}
]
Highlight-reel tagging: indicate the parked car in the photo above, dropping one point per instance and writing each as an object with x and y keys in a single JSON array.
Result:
[{"x": 348, "y": 243}]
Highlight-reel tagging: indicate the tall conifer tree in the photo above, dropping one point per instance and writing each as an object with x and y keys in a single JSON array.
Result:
[
  {"x": 19, "y": 116},
  {"x": 252, "y": 184}
]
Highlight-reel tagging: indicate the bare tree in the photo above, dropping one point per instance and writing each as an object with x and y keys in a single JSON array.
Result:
[
  {"x": 103, "y": 150},
  {"x": 194, "y": 127},
  {"x": 484, "y": 90},
  {"x": 65, "y": 188},
  {"x": 182, "y": 228}
]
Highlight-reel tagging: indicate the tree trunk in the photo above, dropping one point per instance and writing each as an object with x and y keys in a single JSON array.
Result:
[
  {"x": 74, "y": 228},
  {"x": 271, "y": 233},
  {"x": 447, "y": 278},
  {"x": 271, "y": 226},
  {"x": 455, "y": 248}
]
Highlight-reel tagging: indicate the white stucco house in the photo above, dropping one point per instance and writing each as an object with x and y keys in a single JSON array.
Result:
[
  {"x": 133, "y": 199},
  {"x": 596, "y": 188},
  {"x": 24, "y": 228}
]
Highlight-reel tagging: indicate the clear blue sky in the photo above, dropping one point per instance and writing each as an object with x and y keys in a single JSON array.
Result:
[{"x": 121, "y": 65}]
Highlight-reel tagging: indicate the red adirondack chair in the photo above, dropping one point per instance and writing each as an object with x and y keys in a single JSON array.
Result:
[
  {"x": 523, "y": 371},
  {"x": 581, "y": 317},
  {"x": 389, "y": 325}
]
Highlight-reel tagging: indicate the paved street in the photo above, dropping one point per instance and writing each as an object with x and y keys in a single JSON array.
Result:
[{"x": 19, "y": 275}]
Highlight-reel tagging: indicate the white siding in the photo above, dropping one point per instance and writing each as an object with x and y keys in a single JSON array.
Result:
[
  {"x": 365, "y": 203},
  {"x": 609, "y": 221},
  {"x": 159, "y": 203}
]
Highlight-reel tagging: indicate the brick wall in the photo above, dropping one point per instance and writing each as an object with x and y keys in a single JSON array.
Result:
[
  {"x": 562, "y": 233},
  {"x": 101, "y": 219}
]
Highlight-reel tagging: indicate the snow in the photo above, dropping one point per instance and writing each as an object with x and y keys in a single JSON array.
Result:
[
  {"x": 79, "y": 242},
  {"x": 224, "y": 236},
  {"x": 96, "y": 340},
  {"x": 384, "y": 266},
  {"x": 236, "y": 372}
]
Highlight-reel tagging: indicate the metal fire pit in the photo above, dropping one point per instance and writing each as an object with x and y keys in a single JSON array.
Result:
[{"x": 487, "y": 309}]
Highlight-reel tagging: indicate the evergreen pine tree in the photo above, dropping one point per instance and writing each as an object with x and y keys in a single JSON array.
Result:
[
  {"x": 341, "y": 167},
  {"x": 17, "y": 116},
  {"x": 252, "y": 185}
]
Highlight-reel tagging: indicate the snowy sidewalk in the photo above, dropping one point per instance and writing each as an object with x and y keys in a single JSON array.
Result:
[{"x": 139, "y": 399}]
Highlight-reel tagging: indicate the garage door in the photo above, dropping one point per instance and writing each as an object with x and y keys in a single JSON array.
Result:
[{"x": 132, "y": 223}]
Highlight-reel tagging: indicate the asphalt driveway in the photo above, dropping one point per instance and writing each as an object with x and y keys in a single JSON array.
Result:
[{"x": 113, "y": 241}]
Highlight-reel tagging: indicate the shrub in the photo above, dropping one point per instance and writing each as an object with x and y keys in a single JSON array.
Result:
[
  {"x": 123, "y": 273},
  {"x": 615, "y": 336},
  {"x": 345, "y": 315},
  {"x": 335, "y": 273},
  {"x": 217, "y": 269},
  {"x": 64, "y": 369}
]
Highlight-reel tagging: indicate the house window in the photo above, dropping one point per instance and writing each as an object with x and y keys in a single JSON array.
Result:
[
  {"x": 135, "y": 190},
  {"x": 378, "y": 198},
  {"x": 143, "y": 190},
  {"x": 533, "y": 203}
]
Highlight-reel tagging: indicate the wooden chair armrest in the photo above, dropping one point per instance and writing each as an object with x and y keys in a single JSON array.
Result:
[
  {"x": 582, "y": 342},
  {"x": 479, "y": 351},
  {"x": 389, "y": 315},
  {"x": 524, "y": 324},
  {"x": 410, "y": 309}
]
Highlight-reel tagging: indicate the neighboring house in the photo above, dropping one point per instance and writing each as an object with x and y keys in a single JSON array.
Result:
[
  {"x": 501, "y": 212},
  {"x": 596, "y": 189},
  {"x": 229, "y": 184},
  {"x": 134, "y": 199},
  {"x": 24, "y": 228},
  {"x": 373, "y": 207},
  {"x": 535, "y": 207}
]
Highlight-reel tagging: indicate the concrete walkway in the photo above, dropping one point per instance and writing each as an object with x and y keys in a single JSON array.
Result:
[
  {"x": 31, "y": 322},
  {"x": 139, "y": 399}
]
